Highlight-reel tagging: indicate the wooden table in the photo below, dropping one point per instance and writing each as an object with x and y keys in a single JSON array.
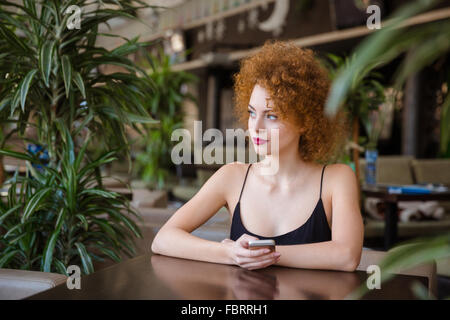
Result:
[
  {"x": 160, "y": 277},
  {"x": 390, "y": 200}
]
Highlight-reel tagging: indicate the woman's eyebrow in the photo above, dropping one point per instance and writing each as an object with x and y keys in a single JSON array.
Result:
[{"x": 266, "y": 110}]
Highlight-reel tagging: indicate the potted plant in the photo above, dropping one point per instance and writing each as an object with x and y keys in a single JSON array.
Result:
[
  {"x": 366, "y": 94},
  {"x": 53, "y": 71},
  {"x": 62, "y": 216},
  {"x": 154, "y": 164}
]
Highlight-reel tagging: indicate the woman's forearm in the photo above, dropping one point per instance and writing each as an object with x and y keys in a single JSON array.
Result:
[
  {"x": 328, "y": 255},
  {"x": 178, "y": 243}
]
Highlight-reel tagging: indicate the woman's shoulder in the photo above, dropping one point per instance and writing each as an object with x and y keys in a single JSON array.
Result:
[
  {"x": 227, "y": 179},
  {"x": 339, "y": 168},
  {"x": 231, "y": 172},
  {"x": 339, "y": 174},
  {"x": 234, "y": 169}
]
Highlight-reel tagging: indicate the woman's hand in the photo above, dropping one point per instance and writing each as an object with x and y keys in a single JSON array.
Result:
[{"x": 242, "y": 256}]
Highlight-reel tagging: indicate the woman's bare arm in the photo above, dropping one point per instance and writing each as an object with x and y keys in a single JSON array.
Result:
[
  {"x": 175, "y": 238},
  {"x": 343, "y": 252}
]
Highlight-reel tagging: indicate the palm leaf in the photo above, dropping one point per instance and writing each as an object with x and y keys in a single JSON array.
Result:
[
  {"x": 85, "y": 258},
  {"x": 25, "y": 86},
  {"x": 369, "y": 51},
  {"x": 37, "y": 199},
  {"x": 67, "y": 73},
  {"x": 45, "y": 60}
]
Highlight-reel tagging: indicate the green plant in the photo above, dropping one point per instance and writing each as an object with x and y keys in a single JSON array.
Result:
[
  {"x": 408, "y": 255},
  {"x": 423, "y": 45},
  {"x": 366, "y": 94},
  {"x": 155, "y": 162},
  {"x": 63, "y": 215},
  {"x": 54, "y": 71}
]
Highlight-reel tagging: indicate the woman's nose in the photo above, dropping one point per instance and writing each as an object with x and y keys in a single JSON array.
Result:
[{"x": 259, "y": 123}]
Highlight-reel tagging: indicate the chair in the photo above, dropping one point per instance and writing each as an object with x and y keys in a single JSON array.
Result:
[
  {"x": 398, "y": 169},
  {"x": 432, "y": 170},
  {"x": 20, "y": 284},
  {"x": 391, "y": 169},
  {"x": 435, "y": 171},
  {"x": 145, "y": 198},
  {"x": 374, "y": 257}
]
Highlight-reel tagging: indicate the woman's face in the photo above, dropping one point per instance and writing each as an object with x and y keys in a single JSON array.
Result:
[{"x": 262, "y": 119}]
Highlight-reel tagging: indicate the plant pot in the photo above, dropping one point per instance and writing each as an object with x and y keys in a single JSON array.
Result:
[{"x": 371, "y": 166}]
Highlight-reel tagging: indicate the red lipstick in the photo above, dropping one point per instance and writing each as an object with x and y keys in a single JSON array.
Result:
[{"x": 259, "y": 141}]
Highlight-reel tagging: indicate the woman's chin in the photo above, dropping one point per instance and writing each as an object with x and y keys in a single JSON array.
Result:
[{"x": 262, "y": 149}]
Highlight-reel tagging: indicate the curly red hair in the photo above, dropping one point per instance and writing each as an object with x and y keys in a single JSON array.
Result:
[{"x": 298, "y": 86}]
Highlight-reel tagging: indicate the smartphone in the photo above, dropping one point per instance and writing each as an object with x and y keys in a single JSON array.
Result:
[{"x": 259, "y": 244}]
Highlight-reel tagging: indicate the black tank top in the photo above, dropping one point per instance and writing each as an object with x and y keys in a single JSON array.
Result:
[{"x": 315, "y": 229}]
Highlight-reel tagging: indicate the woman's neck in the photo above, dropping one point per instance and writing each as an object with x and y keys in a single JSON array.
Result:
[{"x": 290, "y": 168}]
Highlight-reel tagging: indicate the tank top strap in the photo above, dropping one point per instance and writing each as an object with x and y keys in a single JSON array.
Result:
[
  {"x": 245, "y": 179},
  {"x": 321, "y": 179}
]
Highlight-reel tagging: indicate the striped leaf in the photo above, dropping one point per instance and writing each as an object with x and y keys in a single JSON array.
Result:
[
  {"x": 7, "y": 257},
  {"x": 48, "y": 252},
  {"x": 14, "y": 154},
  {"x": 34, "y": 202},
  {"x": 5, "y": 102},
  {"x": 24, "y": 86},
  {"x": 4, "y": 215},
  {"x": 67, "y": 73},
  {"x": 60, "y": 267},
  {"x": 79, "y": 83},
  {"x": 85, "y": 258},
  {"x": 110, "y": 253},
  {"x": 83, "y": 221},
  {"x": 45, "y": 60},
  {"x": 15, "y": 102},
  {"x": 102, "y": 193}
]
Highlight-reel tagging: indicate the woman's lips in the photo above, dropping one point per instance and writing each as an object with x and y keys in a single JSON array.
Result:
[{"x": 259, "y": 141}]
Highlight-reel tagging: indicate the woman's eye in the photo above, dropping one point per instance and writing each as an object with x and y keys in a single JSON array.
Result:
[{"x": 269, "y": 116}]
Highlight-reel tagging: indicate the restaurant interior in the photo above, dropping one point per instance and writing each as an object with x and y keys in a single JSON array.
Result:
[{"x": 92, "y": 91}]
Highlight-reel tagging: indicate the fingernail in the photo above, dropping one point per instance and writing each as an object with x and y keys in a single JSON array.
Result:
[
  {"x": 277, "y": 254},
  {"x": 266, "y": 250}
]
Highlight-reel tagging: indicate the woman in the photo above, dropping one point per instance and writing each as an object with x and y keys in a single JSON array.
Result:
[{"x": 281, "y": 87}]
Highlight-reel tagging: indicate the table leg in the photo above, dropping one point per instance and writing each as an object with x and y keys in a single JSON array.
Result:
[{"x": 391, "y": 227}]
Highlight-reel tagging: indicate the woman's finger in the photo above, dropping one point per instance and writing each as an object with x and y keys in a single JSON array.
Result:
[
  {"x": 246, "y": 253},
  {"x": 267, "y": 256},
  {"x": 260, "y": 264}
]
